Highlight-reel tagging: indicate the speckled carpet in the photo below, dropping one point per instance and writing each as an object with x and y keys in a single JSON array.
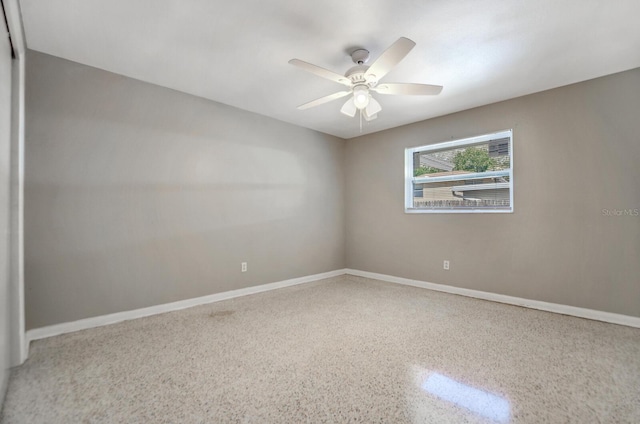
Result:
[{"x": 345, "y": 349}]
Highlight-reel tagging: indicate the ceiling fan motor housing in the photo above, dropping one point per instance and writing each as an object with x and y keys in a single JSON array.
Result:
[{"x": 356, "y": 74}]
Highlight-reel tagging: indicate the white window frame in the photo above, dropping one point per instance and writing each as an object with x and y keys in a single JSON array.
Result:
[{"x": 447, "y": 145}]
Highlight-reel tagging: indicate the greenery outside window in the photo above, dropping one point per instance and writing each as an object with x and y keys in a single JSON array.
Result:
[{"x": 468, "y": 175}]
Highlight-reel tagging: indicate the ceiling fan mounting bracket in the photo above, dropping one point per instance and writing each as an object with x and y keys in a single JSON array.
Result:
[{"x": 360, "y": 56}]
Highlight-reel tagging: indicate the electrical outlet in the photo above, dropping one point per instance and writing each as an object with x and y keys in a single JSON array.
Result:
[
  {"x": 244, "y": 266},
  {"x": 446, "y": 265}
]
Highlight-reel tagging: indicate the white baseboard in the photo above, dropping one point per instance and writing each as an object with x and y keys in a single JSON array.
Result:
[
  {"x": 99, "y": 321},
  {"x": 593, "y": 314},
  {"x": 84, "y": 324}
]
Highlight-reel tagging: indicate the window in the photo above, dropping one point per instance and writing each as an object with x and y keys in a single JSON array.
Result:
[{"x": 469, "y": 175}]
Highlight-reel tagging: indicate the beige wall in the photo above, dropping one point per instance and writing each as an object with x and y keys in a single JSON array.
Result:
[
  {"x": 138, "y": 195},
  {"x": 5, "y": 176},
  {"x": 576, "y": 152}
]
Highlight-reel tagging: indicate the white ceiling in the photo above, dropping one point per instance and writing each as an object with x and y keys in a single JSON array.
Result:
[{"x": 236, "y": 52}]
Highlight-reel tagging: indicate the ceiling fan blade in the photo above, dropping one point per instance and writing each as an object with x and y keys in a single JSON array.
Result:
[
  {"x": 324, "y": 99},
  {"x": 321, "y": 72},
  {"x": 390, "y": 58},
  {"x": 408, "y": 89}
]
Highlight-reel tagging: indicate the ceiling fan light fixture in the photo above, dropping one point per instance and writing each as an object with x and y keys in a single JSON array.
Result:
[
  {"x": 361, "y": 97},
  {"x": 349, "y": 108},
  {"x": 369, "y": 118},
  {"x": 373, "y": 107}
]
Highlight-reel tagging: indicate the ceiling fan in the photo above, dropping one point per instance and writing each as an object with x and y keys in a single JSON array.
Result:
[{"x": 361, "y": 80}]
